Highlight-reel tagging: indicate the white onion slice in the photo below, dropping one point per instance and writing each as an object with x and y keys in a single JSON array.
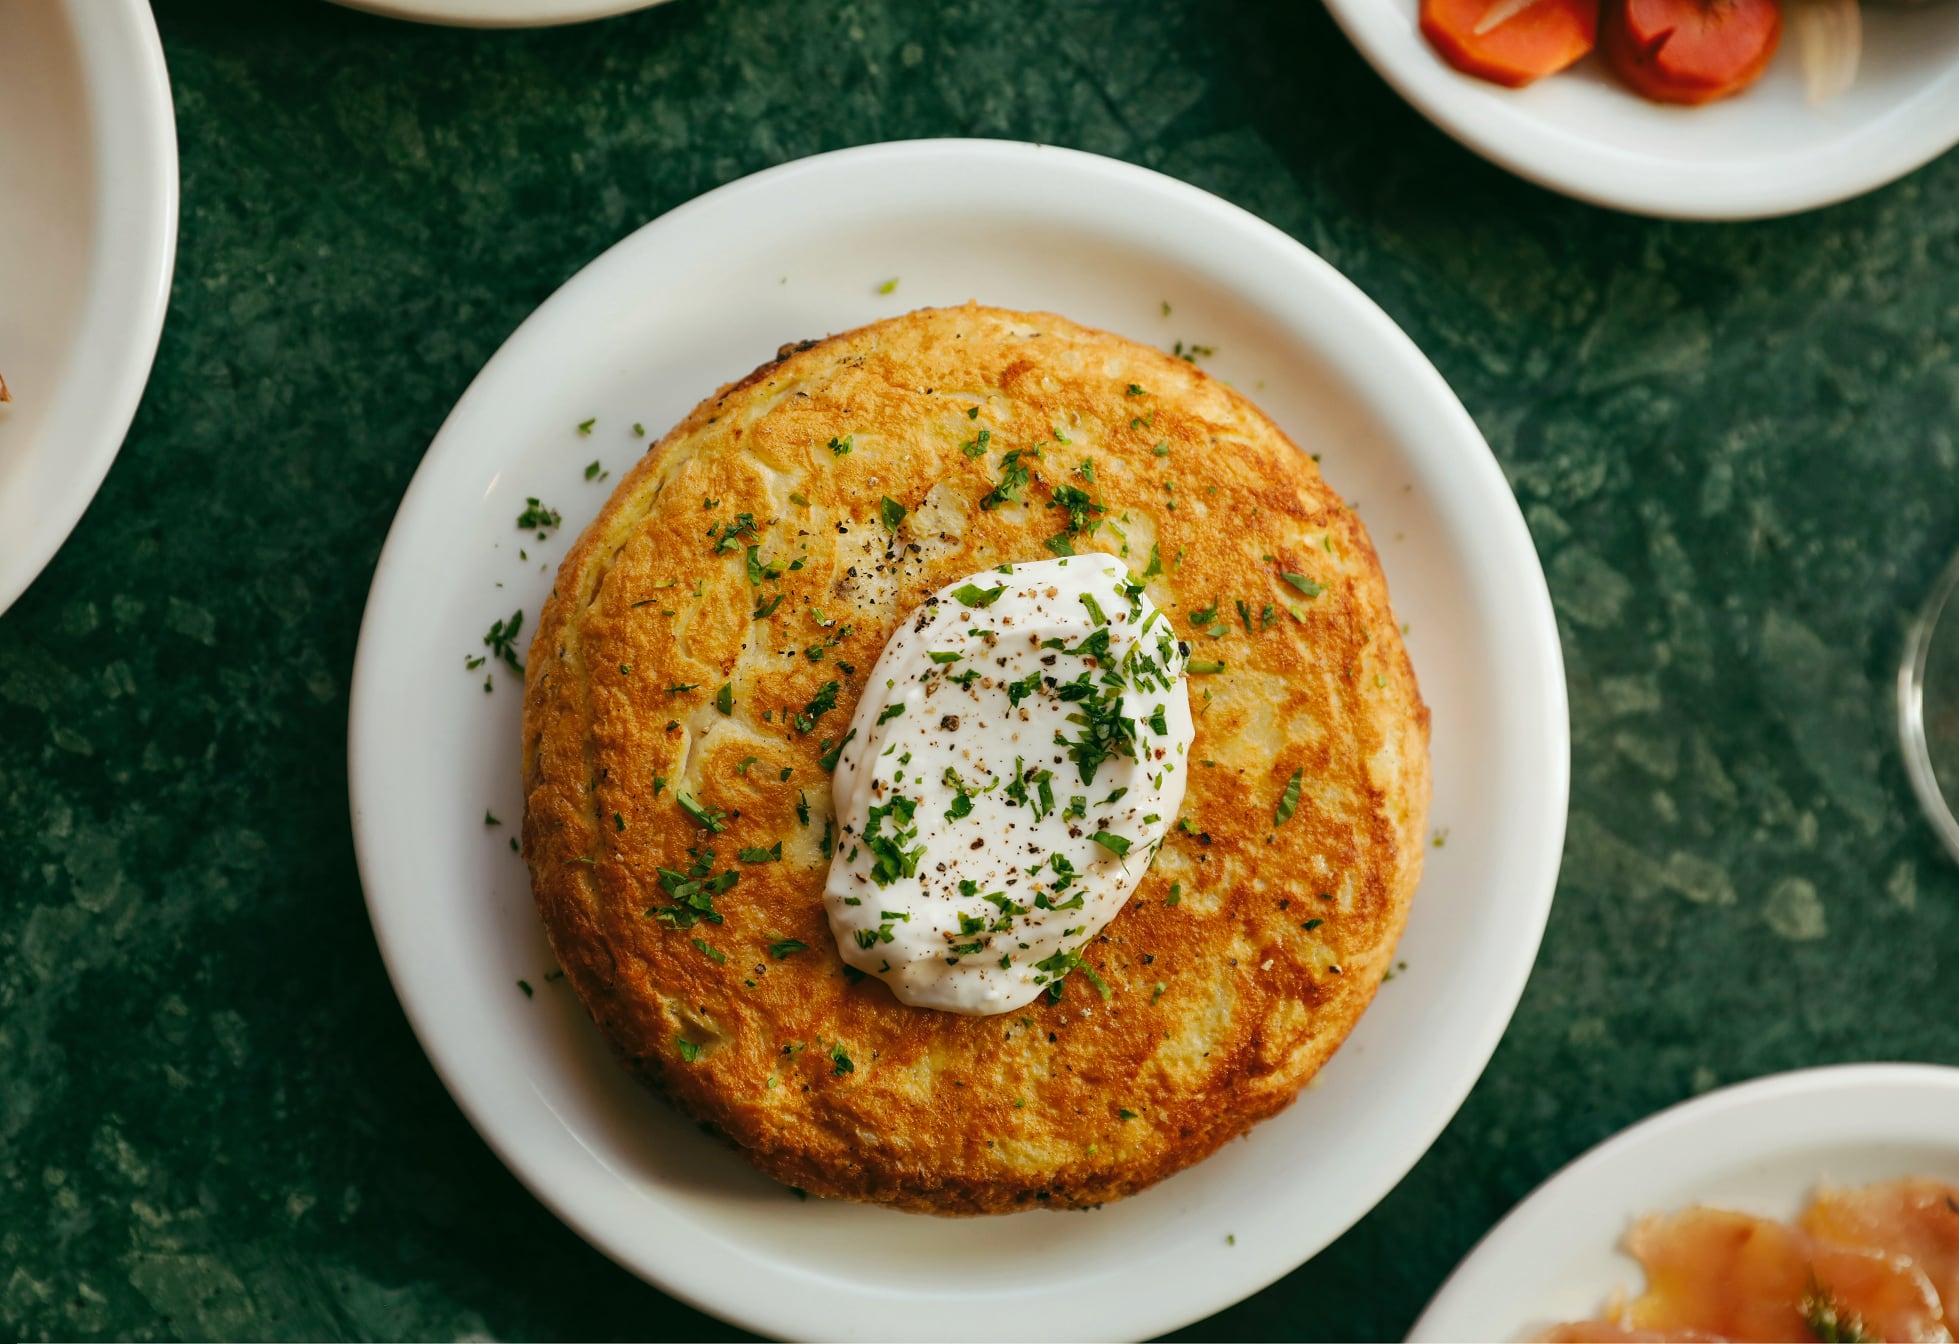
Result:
[
  {"x": 1831, "y": 34},
  {"x": 1500, "y": 13}
]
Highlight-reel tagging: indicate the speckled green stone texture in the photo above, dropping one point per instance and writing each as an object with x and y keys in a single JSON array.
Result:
[{"x": 1734, "y": 446}]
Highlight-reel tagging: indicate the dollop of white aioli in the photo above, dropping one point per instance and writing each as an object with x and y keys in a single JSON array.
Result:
[{"x": 1015, "y": 761}]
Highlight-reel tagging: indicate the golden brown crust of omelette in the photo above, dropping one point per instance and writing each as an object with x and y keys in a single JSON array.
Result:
[{"x": 1221, "y": 1006}]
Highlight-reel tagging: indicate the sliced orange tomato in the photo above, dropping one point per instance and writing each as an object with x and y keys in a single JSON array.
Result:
[
  {"x": 1690, "y": 51},
  {"x": 1508, "y": 43}
]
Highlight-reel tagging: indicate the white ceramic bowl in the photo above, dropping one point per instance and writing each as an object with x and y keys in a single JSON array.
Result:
[
  {"x": 1764, "y": 152},
  {"x": 1760, "y": 1147},
  {"x": 499, "y": 13},
  {"x": 701, "y": 296},
  {"x": 88, "y": 236}
]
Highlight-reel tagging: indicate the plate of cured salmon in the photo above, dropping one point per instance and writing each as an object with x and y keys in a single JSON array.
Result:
[{"x": 1822, "y": 1204}]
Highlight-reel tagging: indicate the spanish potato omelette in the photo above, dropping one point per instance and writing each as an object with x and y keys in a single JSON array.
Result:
[{"x": 701, "y": 652}]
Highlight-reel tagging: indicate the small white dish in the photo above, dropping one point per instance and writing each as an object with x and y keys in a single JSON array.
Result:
[
  {"x": 499, "y": 13},
  {"x": 701, "y": 296},
  {"x": 1761, "y": 1147},
  {"x": 1764, "y": 152},
  {"x": 88, "y": 237}
]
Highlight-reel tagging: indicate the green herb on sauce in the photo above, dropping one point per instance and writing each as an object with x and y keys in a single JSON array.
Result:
[{"x": 972, "y": 595}]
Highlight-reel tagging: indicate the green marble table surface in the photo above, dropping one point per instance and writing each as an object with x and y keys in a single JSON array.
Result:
[{"x": 1734, "y": 446}]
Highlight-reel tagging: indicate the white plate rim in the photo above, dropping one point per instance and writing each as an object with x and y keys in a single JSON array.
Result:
[
  {"x": 1462, "y": 108},
  {"x": 134, "y": 257},
  {"x": 1540, "y": 668},
  {"x": 498, "y": 13},
  {"x": 1793, "y": 1103}
]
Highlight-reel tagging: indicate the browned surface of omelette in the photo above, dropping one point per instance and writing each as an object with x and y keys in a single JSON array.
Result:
[{"x": 1250, "y": 947}]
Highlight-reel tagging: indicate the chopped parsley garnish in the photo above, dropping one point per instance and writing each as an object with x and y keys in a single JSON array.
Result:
[
  {"x": 536, "y": 515},
  {"x": 843, "y": 445},
  {"x": 1311, "y": 924},
  {"x": 889, "y": 286},
  {"x": 1106, "y": 731},
  {"x": 828, "y": 758},
  {"x": 1041, "y": 801},
  {"x": 976, "y": 446},
  {"x": 1304, "y": 584},
  {"x": 1116, "y": 844},
  {"x": 754, "y": 854},
  {"x": 490, "y": 820},
  {"x": 891, "y": 712},
  {"x": 639, "y": 430},
  {"x": 944, "y": 656},
  {"x": 525, "y": 985},
  {"x": 724, "y": 699},
  {"x": 659, "y": 782},
  {"x": 707, "y": 818},
  {"x": 787, "y": 947},
  {"x": 1135, "y": 391},
  {"x": 887, "y": 830},
  {"x": 1094, "y": 609},
  {"x": 585, "y": 426},
  {"x": 592, "y": 470},
  {"x": 892, "y": 512},
  {"x": 1079, "y": 505},
  {"x": 1161, "y": 448},
  {"x": 693, "y": 892},
  {"x": 767, "y": 609},
  {"x": 1176, "y": 895},
  {"x": 1124, "y": 1113},
  {"x": 729, "y": 535},
  {"x": 1207, "y": 621},
  {"x": 1013, "y": 480},
  {"x": 688, "y": 1050},
  {"x": 972, "y": 595},
  {"x": 1201, "y": 666},
  {"x": 1287, "y": 800},
  {"x": 820, "y": 704},
  {"x": 840, "y": 1061},
  {"x": 714, "y": 954},
  {"x": 759, "y": 569},
  {"x": 502, "y": 639},
  {"x": 802, "y": 807}
]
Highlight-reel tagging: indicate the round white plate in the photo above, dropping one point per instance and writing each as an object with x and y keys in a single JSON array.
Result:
[
  {"x": 1764, "y": 152},
  {"x": 88, "y": 235},
  {"x": 499, "y": 13},
  {"x": 703, "y": 295},
  {"x": 1760, "y": 1147}
]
